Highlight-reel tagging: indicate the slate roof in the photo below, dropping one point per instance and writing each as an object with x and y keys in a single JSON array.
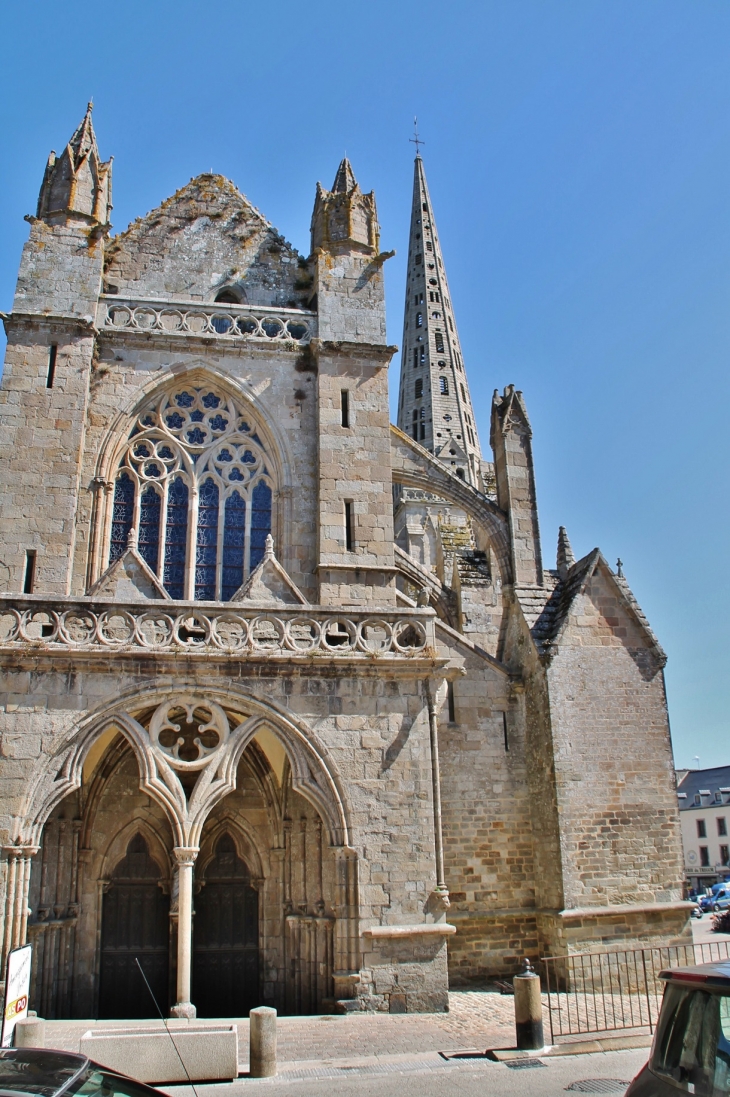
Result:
[
  {"x": 547, "y": 609},
  {"x": 697, "y": 780}
]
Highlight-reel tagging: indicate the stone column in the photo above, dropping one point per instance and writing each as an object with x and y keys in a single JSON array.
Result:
[
  {"x": 15, "y": 906},
  {"x": 441, "y": 890},
  {"x": 185, "y": 857}
]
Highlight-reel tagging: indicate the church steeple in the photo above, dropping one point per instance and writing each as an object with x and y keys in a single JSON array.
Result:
[{"x": 434, "y": 404}]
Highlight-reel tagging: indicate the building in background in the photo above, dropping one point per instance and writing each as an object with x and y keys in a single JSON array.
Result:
[
  {"x": 292, "y": 709},
  {"x": 704, "y": 812}
]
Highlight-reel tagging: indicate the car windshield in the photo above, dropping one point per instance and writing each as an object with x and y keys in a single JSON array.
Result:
[
  {"x": 28, "y": 1072},
  {"x": 101, "y": 1083},
  {"x": 693, "y": 1041}
]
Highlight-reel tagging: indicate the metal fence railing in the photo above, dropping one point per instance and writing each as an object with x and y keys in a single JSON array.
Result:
[{"x": 612, "y": 991}]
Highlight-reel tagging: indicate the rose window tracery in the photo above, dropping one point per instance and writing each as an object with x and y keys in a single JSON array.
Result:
[
  {"x": 195, "y": 486},
  {"x": 188, "y": 732}
]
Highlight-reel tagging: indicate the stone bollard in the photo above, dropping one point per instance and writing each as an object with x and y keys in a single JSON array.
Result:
[
  {"x": 262, "y": 1042},
  {"x": 528, "y": 1009},
  {"x": 30, "y": 1032}
]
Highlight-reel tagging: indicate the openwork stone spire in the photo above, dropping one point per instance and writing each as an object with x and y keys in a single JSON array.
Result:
[{"x": 434, "y": 404}]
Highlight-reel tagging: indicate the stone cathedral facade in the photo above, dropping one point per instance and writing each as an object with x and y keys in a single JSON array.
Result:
[{"x": 291, "y": 709}]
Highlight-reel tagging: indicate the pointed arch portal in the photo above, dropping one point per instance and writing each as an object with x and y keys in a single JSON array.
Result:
[{"x": 274, "y": 888}]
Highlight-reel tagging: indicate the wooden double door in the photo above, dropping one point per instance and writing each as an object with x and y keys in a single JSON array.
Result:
[
  {"x": 136, "y": 928},
  {"x": 226, "y": 937}
]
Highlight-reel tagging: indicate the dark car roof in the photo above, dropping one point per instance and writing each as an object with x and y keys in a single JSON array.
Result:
[
  {"x": 711, "y": 975},
  {"x": 36, "y": 1071}
]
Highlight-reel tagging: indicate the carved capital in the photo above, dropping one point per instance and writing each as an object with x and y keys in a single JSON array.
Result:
[{"x": 186, "y": 855}]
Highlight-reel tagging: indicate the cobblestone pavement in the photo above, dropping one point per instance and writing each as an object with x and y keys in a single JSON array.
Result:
[{"x": 477, "y": 1019}]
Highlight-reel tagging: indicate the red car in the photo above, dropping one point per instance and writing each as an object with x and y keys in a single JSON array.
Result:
[
  {"x": 691, "y": 1049},
  {"x": 36, "y": 1072}
]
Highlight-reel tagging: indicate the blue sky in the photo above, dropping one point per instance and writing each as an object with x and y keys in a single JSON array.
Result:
[{"x": 578, "y": 157}]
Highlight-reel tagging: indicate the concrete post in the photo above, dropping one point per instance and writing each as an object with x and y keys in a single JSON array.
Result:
[
  {"x": 30, "y": 1032},
  {"x": 262, "y": 1036},
  {"x": 185, "y": 857},
  {"x": 528, "y": 1009}
]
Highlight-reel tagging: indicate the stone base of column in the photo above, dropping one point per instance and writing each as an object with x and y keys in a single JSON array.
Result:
[{"x": 184, "y": 1009}]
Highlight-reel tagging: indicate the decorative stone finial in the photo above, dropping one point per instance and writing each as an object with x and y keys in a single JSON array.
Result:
[
  {"x": 566, "y": 558},
  {"x": 132, "y": 538},
  {"x": 269, "y": 547},
  {"x": 619, "y": 566}
]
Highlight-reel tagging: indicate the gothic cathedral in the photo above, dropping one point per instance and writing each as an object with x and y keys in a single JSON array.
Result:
[{"x": 292, "y": 712}]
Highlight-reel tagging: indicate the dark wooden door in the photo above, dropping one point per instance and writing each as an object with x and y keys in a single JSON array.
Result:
[
  {"x": 226, "y": 938},
  {"x": 135, "y": 925}
]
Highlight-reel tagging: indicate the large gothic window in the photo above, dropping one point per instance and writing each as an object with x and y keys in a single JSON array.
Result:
[{"x": 194, "y": 484}]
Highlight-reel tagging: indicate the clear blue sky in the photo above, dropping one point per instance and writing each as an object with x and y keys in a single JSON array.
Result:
[{"x": 578, "y": 156}]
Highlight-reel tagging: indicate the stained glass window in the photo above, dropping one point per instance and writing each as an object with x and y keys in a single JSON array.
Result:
[
  {"x": 260, "y": 521},
  {"x": 122, "y": 516},
  {"x": 234, "y": 538},
  {"x": 176, "y": 538},
  {"x": 149, "y": 526},
  {"x": 188, "y": 437},
  {"x": 206, "y": 556}
]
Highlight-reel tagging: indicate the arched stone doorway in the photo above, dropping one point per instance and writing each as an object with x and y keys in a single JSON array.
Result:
[
  {"x": 135, "y": 928},
  {"x": 278, "y": 909},
  {"x": 226, "y": 937}
]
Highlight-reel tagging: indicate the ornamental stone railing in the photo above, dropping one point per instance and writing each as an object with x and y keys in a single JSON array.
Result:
[
  {"x": 34, "y": 622},
  {"x": 190, "y": 318}
]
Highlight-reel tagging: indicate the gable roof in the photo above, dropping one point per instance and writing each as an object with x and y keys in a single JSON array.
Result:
[
  {"x": 204, "y": 238},
  {"x": 546, "y": 612}
]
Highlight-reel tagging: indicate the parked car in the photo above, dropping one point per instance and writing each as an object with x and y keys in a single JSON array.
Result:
[
  {"x": 36, "y": 1072},
  {"x": 720, "y": 899},
  {"x": 691, "y": 1049}
]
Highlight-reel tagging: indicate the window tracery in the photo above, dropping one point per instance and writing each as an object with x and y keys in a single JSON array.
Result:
[{"x": 194, "y": 486}]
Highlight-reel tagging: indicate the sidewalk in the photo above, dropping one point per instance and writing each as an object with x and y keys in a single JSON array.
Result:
[{"x": 477, "y": 1019}]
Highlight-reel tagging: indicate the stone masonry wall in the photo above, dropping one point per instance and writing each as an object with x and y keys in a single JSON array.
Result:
[{"x": 613, "y": 759}]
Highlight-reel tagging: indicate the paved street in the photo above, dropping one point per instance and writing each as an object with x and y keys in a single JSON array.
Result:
[{"x": 430, "y": 1074}]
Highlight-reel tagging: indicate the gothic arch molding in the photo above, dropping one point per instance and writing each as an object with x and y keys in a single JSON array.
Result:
[
  {"x": 314, "y": 775},
  {"x": 117, "y": 437},
  {"x": 414, "y": 467}
]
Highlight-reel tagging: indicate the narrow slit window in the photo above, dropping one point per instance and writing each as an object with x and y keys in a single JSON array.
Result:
[
  {"x": 451, "y": 703},
  {"x": 423, "y": 356},
  {"x": 444, "y": 386},
  {"x": 52, "y": 353},
  {"x": 423, "y": 423},
  {"x": 415, "y": 357},
  {"x": 345, "y": 407},
  {"x": 419, "y": 319},
  {"x": 349, "y": 530},
  {"x": 505, "y": 731},
  {"x": 419, "y": 388},
  {"x": 414, "y": 429},
  {"x": 429, "y": 246},
  {"x": 29, "y": 576},
  {"x": 463, "y": 391},
  {"x": 439, "y": 336}
]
